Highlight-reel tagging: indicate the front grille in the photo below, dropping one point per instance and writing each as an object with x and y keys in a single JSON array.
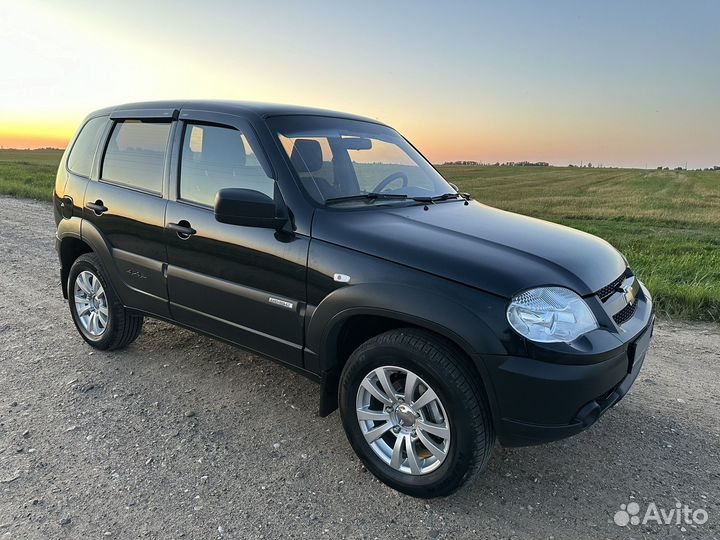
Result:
[
  {"x": 607, "y": 291},
  {"x": 625, "y": 314}
]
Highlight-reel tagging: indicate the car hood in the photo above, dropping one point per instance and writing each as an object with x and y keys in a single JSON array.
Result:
[{"x": 490, "y": 249}]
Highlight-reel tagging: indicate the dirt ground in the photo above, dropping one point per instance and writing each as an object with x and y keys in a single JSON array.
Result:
[{"x": 180, "y": 436}]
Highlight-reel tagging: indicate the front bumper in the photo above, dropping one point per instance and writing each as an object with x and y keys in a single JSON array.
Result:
[{"x": 538, "y": 401}]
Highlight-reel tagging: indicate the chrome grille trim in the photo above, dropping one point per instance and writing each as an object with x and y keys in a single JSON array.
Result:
[
  {"x": 620, "y": 297},
  {"x": 608, "y": 290}
]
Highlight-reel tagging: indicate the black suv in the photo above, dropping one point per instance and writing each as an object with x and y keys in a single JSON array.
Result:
[{"x": 326, "y": 242}]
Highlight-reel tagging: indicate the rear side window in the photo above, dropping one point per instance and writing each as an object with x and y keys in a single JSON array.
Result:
[
  {"x": 214, "y": 158},
  {"x": 135, "y": 154},
  {"x": 83, "y": 151}
]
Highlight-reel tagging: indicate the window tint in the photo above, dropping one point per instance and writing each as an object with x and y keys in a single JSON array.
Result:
[
  {"x": 83, "y": 151},
  {"x": 214, "y": 158},
  {"x": 135, "y": 155}
]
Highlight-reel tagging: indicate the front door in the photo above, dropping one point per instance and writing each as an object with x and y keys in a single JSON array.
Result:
[{"x": 243, "y": 284}]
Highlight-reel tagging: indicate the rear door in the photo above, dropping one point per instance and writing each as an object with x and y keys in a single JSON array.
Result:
[
  {"x": 125, "y": 209},
  {"x": 244, "y": 284}
]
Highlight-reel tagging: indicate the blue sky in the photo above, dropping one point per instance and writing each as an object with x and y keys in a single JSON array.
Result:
[{"x": 619, "y": 83}]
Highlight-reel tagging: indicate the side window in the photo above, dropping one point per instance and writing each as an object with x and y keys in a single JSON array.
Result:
[
  {"x": 135, "y": 154},
  {"x": 214, "y": 158},
  {"x": 82, "y": 153}
]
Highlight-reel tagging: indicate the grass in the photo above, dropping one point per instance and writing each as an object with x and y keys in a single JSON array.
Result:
[
  {"x": 28, "y": 173},
  {"x": 667, "y": 223}
]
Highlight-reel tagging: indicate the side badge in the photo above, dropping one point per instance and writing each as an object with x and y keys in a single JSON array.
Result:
[
  {"x": 341, "y": 278},
  {"x": 282, "y": 303}
]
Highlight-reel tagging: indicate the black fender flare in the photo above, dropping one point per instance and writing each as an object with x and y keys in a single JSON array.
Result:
[
  {"x": 427, "y": 309},
  {"x": 92, "y": 236},
  {"x": 421, "y": 307},
  {"x": 88, "y": 233},
  {"x": 418, "y": 307},
  {"x": 67, "y": 228}
]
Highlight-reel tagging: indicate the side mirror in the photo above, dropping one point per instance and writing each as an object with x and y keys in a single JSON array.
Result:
[{"x": 247, "y": 207}]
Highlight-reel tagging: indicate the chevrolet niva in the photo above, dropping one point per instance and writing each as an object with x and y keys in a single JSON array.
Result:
[{"x": 326, "y": 242}]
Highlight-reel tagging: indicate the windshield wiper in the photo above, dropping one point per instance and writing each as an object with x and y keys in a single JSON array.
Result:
[
  {"x": 443, "y": 197},
  {"x": 370, "y": 197}
]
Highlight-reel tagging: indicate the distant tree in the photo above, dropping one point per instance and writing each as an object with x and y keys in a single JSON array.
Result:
[
  {"x": 589, "y": 165},
  {"x": 659, "y": 168},
  {"x": 678, "y": 168}
]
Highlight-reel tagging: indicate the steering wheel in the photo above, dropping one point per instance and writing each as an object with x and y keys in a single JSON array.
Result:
[{"x": 389, "y": 179}]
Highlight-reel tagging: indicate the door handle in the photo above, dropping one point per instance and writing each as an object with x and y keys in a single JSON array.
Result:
[
  {"x": 98, "y": 207},
  {"x": 183, "y": 229}
]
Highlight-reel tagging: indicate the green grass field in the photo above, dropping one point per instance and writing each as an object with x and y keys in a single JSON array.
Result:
[
  {"x": 667, "y": 223},
  {"x": 28, "y": 173}
]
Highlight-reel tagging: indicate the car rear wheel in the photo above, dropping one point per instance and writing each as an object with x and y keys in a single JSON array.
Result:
[
  {"x": 97, "y": 312},
  {"x": 415, "y": 413}
]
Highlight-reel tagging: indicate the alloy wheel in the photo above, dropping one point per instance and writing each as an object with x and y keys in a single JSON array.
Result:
[
  {"x": 91, "y": 304},
  {"x": 403, "y": 420}
]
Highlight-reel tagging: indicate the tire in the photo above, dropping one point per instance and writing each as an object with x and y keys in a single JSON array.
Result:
[
  {"x": 120, "y": 327},
  {"x": 461, "y": 403}
]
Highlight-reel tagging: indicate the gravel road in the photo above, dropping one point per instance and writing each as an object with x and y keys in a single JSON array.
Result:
[{"x": 182, "y": 436}]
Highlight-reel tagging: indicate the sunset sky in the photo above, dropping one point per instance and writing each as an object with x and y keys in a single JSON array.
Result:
[{"x": 616, "y": 83}]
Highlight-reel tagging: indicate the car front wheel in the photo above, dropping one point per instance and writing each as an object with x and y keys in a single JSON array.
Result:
[{"x": 414, "y": 412}]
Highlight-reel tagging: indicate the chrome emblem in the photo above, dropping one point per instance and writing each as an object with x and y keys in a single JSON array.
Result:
[{"x": 629, "y": 295}]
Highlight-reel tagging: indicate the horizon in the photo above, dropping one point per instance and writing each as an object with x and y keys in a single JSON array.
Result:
[
  {"x": 473, "y": 163},
  {"x": 631, "y": 86}
]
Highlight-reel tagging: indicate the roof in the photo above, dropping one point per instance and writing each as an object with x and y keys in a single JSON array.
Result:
[{"x": 262, "y": 110}]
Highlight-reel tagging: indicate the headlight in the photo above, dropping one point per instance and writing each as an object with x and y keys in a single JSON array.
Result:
[{"x": 550, "y": 314}]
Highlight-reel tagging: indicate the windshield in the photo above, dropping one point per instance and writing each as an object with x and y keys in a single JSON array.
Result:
[{"x": 350, "y": 162}]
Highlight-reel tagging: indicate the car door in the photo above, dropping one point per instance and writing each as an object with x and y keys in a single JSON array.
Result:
[
  {"x": 125, "y": 208},
  {"x": 243, "y": 284}
]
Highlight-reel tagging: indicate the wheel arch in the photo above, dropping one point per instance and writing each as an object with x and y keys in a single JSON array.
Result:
[
  {"x": 76, "y": 237},
  {"x": 71, "y": 247},
  {"x": 351, "y": 316}
]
